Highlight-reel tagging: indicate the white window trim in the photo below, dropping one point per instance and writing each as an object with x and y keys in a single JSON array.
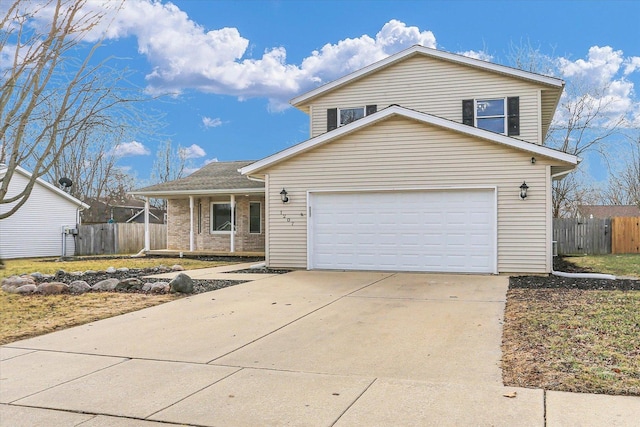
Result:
[
  {"x": 259, "y": 215},
  {"x": 364, "y": 110},
  {"x": 211, "y": 230},
  {"x": 504, "y": 115}
]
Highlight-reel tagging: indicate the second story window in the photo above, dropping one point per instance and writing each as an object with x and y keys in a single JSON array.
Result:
[
  {"x": 337, "y": 117},
  {"x": 500, "y": 115},
  {"x": 490, "y": 115},
  {"x": 348, "y": 115}
]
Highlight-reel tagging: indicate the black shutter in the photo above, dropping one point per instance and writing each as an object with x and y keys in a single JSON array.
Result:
[
  {"x": 332, "y": 119},
  {"x": 467, "y": 112},
  {"x": 371, "y": 109},
  {"x": 513, "y": 116}
]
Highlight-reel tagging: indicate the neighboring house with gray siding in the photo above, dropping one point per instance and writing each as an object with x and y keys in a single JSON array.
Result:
[
  {"x": 424, "y": 161},
  {"x": 37, "y": 228},
  {"x": 204, "y": 207}
]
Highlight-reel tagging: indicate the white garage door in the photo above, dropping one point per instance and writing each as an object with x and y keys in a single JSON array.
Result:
[{"x": 442, "y": 231}]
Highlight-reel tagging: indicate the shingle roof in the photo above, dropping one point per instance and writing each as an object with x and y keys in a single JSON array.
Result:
[
  {"x": 608, "y": 211},
  {"x": 214, "y": 177}
]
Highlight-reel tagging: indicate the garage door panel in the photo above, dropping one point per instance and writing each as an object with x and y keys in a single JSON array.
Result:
[{"x": 452, "y": 231}]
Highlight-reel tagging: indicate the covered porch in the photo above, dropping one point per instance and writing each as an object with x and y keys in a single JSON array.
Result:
[{"x": 214, "y": 211}]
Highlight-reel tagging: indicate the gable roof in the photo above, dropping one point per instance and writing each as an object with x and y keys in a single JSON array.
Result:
[
  {"x": 551, "y": 82},
  {"x": 214, "y": 178},
  {"x": 48, "y": 186},
  {"x": 608, "y": 211},
  {"x": 396, "y": 110}
]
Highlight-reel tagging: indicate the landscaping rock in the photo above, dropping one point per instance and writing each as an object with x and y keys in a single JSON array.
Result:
[
  {"x": 160, "y": 288},
  {"x": 37, "y": 275},
  {"x": 25, "y": 289},
  {"x": 52, "y": 288},
  {"x": 129, "y": 284},
  {"x": 182, "y": 284},
  {"x": 123, "y": 270},
  {"x": 106, "y": 285},
  {"x": 177, "y": 267},
  {"x": 16, "y": 281},
  {"x": 79, "y": 287},
  {"x": 146, "y": 287},
  {"x": 90, "y": 272},
  {"x": 111, "y": 270}
]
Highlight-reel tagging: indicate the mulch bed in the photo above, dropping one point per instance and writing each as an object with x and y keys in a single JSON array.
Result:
[{"x": 558, "y": 282}]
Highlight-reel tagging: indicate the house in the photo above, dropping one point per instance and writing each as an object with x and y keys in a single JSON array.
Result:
[
  {"x": 204, "y": 207},
  {"x": 424, "y": 161},
  {"x": 128, "y": 210},
  {"x": 608, "y": 211},
  {"x": 44, "y": 226}
]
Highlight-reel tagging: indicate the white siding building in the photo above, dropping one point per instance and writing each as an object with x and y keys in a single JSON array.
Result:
[{"x": 36, "y": 229}]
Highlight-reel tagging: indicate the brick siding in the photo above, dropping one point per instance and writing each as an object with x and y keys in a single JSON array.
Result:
[{"x": 204, "y": 239}]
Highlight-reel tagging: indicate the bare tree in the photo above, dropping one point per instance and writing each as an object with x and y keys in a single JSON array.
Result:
[
  {"x": 624, "y": 184},
  {"x": 54, "y": 95},
  {"x": 585, "y": 121},
  {"x": 170, "y": 165}
]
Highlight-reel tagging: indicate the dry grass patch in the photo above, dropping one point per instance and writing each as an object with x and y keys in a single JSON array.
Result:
[
  {"x": 572, "y": 340},
  {"x": 51, "y": 265},
  {"x": 28, "y": 316}
]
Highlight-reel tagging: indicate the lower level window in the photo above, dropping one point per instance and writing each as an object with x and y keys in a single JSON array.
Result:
[
  {"x": 255, "y": 218},
  {"x": 220, "y": 217}
]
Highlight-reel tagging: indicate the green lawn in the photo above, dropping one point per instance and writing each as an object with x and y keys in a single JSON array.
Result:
[{"x": 618, "y": 265}]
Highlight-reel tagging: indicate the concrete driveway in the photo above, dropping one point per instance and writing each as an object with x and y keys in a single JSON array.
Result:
[{"x": 305, "y": 348}]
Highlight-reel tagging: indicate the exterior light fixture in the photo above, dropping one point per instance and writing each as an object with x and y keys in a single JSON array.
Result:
[
  {"x": 283, "y": 196},
  {"x": 523, "y": 190},
  {"x": 533, "y": 160}
]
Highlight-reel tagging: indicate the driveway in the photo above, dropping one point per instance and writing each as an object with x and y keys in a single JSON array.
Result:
[{"x": 304, "y": 348}]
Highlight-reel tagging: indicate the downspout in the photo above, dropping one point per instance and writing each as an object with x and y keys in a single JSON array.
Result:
[{"x": 578, "y": 275}]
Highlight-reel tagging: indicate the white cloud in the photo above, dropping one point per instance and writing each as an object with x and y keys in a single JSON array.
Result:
[
  {"x": 192, "y": 152},
  {"x": 207, "y": 161},
  {"x": 133, "y": 148},
  {"x": 601, "y": 65},
  {"x": 631, "y": 64},
  {"x": 603, "y": 76},
  {"x": 184, "y": 55},
  {"x": 208, "y": 122},
  {"x": 475, "y": 54}
]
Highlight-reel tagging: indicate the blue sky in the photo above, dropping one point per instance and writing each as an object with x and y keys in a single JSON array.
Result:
[{"x": 233, "y": 65}]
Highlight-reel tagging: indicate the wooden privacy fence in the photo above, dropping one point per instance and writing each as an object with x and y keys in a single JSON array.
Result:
[
  {"x": 597, "y": 236},
  {"x": 625, "y": 235},
  {"x": 582, "y": 236},
  {"x": 118, "y": 238}
]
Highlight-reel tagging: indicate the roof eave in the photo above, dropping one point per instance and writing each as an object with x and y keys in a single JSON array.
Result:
[
  {"x": 412, "y": 114},
  {"x": 169, "y": 193},
  {"x": 418, "y": 49}
]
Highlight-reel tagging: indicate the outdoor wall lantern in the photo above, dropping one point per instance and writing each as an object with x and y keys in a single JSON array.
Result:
[
  {"x": 283, "y": 196},
  {"x": 523, "y": 190}
]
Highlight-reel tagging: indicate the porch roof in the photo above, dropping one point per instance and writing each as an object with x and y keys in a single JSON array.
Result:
[{"x": 214, "y": 178}]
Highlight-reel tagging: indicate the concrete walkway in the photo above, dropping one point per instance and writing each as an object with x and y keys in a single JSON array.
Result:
[{"x": 304, "y": 348}]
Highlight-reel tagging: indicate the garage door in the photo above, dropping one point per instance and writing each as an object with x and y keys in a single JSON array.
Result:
[{"x": 439, "y": 231}]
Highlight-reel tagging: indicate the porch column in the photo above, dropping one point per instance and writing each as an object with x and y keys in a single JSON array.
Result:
[
  {"x": 232, "y": 245},
  {"x": 191, "y": 223},
  {"x": 147, "y": 237}
]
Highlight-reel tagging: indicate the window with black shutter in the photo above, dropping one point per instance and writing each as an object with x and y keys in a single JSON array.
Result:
[
  {"x": 500, "y": 115},
  {"x": 337, "y": 117}
]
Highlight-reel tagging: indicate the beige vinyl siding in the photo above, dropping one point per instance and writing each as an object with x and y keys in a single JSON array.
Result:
[
  {"x": 431, "y": 86},
  {"x": 402, "y": 153}
]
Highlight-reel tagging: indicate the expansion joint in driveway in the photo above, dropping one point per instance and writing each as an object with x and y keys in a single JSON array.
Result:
[{"x": 298, "y": 318}]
